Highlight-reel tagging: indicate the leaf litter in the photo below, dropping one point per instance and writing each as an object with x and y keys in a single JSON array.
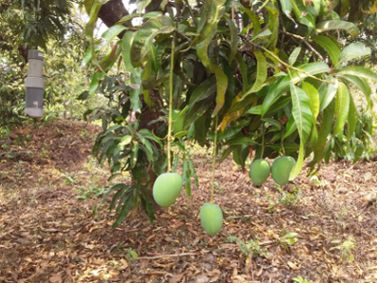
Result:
[{"x": 54, "y": 228}]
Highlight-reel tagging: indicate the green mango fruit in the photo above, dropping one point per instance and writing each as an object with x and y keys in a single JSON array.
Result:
[
  {"x": 166, "y": 188},
  {"x": 259, "y": 171},
  {"x": 211, "y": 218},
  {"x": 281, "y": 169}
]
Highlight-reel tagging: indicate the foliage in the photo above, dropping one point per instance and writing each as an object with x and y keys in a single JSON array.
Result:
[{"x": 276, "y": 74}]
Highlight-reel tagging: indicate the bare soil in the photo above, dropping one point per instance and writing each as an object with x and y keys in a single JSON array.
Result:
[{"x": 53, "y": 228}]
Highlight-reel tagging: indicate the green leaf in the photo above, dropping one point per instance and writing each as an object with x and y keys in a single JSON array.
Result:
[
  {"x": 293, "y": 57},
  {"x": 342, "y": 104},
  {"x": 273, "y": 25},
  {"x": 286, "y": 7},
  {"x": 361, "y": 84},
  {"x": 126, "y": 46},
  {"x": 313, "y": 94},
  {"x": 254, "y": 19},
  {"x": 93, "y": 15},
  {"x": 261, "y": 75},
  {"x": 136, "y": 89},
  {"x": 282, "y": 85},
  {"x": 203, "y": 91},
  {"x": 327, "y": 93},
  {"x": 349, "y": 27},
  {"x": 353, "y": 51},
  {"x": 127, "y": 206},
  {"x": 215, "y": 11},
  {"x": 301, "y": 111},
  {"x": 353, "y": 117},
  {"x": 112, "y": 32},
  {"x": 323, "y": 132},
  {"x": 358, "y": 71},
  {"x": 222, "y": 85},
  {"x": 329, "y": 46},
  {"x": 233, "y": 39}
]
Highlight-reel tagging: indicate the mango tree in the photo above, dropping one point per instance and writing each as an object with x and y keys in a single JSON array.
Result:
[{"x": 271, "y": 78}]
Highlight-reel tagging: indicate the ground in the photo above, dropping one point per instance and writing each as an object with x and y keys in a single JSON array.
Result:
[{"x": 54, "y": 226}]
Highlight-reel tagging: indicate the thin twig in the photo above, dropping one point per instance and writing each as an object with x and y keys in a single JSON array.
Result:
[{"x": 306, "y": 43}]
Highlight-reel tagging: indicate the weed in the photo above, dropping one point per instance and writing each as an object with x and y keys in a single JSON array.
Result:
[
  {"x": 131, "y": 254},
  {"x": 250, "y": 247},
  {"x": 91, "y": 191},
  {"x": 346, "y": 247},
  {"x": 300, "y": 279},
  {"x": 288, "y": 240},
  {"x": 287, "y": 198}
]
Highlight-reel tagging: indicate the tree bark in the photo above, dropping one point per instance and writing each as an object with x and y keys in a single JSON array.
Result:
[{"x": 112, "y": 12}]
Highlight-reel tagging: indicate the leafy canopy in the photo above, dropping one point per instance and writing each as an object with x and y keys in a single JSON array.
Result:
[{"x": 278, "y": 75}]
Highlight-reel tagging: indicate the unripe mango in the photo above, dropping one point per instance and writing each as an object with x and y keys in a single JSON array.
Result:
[
  {"x": 281, "y": 168},
  {"x": 211, "y": 218},
  {"x": 166, "y": 188},
  {"x": 259, "y": 171}
]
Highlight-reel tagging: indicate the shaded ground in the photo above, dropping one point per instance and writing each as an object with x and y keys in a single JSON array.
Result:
[{"x": 54, "y": 229}]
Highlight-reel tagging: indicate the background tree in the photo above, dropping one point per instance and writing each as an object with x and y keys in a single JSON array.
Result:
[{"x": 57, "y": 29}]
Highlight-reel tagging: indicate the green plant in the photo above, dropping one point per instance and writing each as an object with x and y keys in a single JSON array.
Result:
[
  {"x": 287, "y": 240},
  {"x": 250, "y": 247},
  {"x": 300, "y": 279},
  {"x": 85, "y": 192},
  {"x": 287, "y": 198},
  {"x": 345, "y": 247}
]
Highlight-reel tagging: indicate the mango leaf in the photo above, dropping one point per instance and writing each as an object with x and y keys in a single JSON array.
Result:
[
  {"x": 261, "y": 75},
  {"x": 88, "y": 55},
  {"x": 303, "y": 119},
  {"x": 301, "y": 111},
  {"x": 299, "y": 162},
  {"x": 361, "y": 84},
  {"x": 233, "y": 39},
  {"x": 112, "y": 32},
  {"x": 353, "y": 116},
  {"x": 342, "y": 104},
  {"x": 273, "y": 25},
  {"x": 286, "y": 7},
  {"x": 136, "y": 89},
  {"x": 93, "y": 15},
  {"x": 353, "y": 51},
  {"x": 125, "y": 209},
  {"x": 349, "y": 27},
  {"x": 327, "y": 93},
  {"x": 329, "y": 46},
  {"x": 293, "y": 57},
  {"x": 358, "y": 71},
  {"x": 282, "y": 85},
  {"x": 203, "y": 91},
  {"x": 323, "y": 133},
  {"x": 126, "y": 46},
  {"x": 222, "y": 85},
  {"x": 313, "y": 95},
  {"x": 152, "y": 28},
  {"x": 253, "y": 18},
  {"x": 216, "y": 9}
]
